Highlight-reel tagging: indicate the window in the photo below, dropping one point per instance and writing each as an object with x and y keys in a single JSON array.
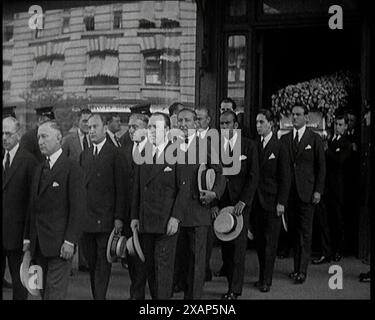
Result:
[
  {"x": 162, "y": 69},
  {"x": 48, "y": 72},
  {"x": 89, "y": 22},
  {"x": 117, "y": 20},
  {"x": 8, "y": 36},
  {"x": 65, "y": 25}
]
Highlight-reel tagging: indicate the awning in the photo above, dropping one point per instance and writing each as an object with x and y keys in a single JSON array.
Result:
[
  {"x": 50, "y": 48},
  {"x": 6, "y": 73},
  {"x": 7, "y": 54},
  {"x": 147, "y": 10},
  {"x": 159, "y": 42},
  {"x": 237, "y": 42},
  {"x": 40, "y": 71},
  {"x": 110, "y": 67},
  {"x": 171, "y": 10},
  {"x": 55, "y": 71},
  {"x": 170, "y": 58},
  {"x": 103, "y": 43},
  {"x": 94, "y": 66}
]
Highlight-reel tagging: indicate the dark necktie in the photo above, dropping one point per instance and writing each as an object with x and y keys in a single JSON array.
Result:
[
  {"x": 295, "y": 144},
  {"x": 45, "y": 172},
  {"x": 85, "y": 142},
  {"x": 95, "y": 152},
  {"x": 117, "y": 141},
  {"x": 7, "y": 162}
]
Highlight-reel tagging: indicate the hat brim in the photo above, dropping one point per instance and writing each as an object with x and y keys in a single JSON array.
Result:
[
  {"x": 236, "y": 232},
  {"x": 110, "y": 259},
  {"x": 137, "y": 246},
  {"x": 201, "y": 168},
  {"x": 24, "y": 273}
]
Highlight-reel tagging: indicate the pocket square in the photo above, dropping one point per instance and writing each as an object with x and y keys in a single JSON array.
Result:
[
  {"x": 242, "y": 157},
  {"x": 308, "y": 147},
  {"x": 55, "y": 184},
  {"x": 167, "y": 169},
  {"x": 338, "y": 150},
  {"x": 272, "y": 156}
]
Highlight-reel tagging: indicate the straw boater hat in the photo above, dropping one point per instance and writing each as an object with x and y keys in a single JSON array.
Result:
[
  {"x": 206, "y": 178},
  {"x": 116, "y": 247},
  {"x": 134, "y": 247},
  {"x": 227, "y": 226},
  {"x": 24, "y": 273}
]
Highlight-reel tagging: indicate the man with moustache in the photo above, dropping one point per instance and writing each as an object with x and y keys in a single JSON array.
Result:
[
  {"x": 104, "y": 183},
  {"x": 271, "y": 196},
  {"x": 194, "y": 208},
  {"x": 239, "y": 192},
  {"x": 154, "y": 195},
  {"x": 18, "y": 170},
  {"x": 308, "y": 168},
  {"x": 55, "y": 213}
]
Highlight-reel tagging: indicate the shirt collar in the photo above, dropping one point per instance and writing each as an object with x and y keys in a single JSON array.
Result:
[
  {"x": 231, "y": 141},
  {"x": 161, "y": 147},
  {"x": 267, "y": 138},
  {"x": 141, "y": 144},
  {"x": 301, "y": 132},
  {"x": 53, "y": 157},
  {"x": 203, "y": 133},
  {"x": 183, "y": 146},
  {"x": 99, "y": 145}
]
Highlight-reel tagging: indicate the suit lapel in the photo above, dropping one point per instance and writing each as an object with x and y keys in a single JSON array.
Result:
[
  {"x": 303, "y": 143},
  {"x": 156, "y": 168},
  {"x": 268, "y": 150},
  {"x": 13, "y": 168},
  {"x": 77, "y": 143},
  {"x": 57, "y": 167}
]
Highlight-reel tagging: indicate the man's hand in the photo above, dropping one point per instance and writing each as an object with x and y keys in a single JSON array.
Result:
[
  {"x": 67, "y": 251},
  {"x": 280, "y": 209},
  {"x": 316, "y": 198},
  {"x": 26, "y": 247},
  {"x": 206, "y": 197},
  {"x": 238, "y": 208},
  {"x": 134, "y": 225},
  {"x": 214, "y": 212},
  {"x": 118, "y": 226},
  {"x": 172, "y": 226}
]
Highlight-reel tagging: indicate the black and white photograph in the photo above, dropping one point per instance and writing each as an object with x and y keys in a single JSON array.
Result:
[{"x": 187, "y": 150}]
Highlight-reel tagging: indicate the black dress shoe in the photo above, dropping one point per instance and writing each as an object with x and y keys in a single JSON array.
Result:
[
  {"x": 7, "y": 284},
  {"x": 301, "y": 278},
  {"x": 337, "y": 257},
  {"x": 365, "y": 277},
  {"x": 230, "y": 296},
  {"x": 321, "y": 260},
  {"x": 293, "y": 275},
  {"x": 220, "y": 273},
  {"x": 264, "y": 288}
]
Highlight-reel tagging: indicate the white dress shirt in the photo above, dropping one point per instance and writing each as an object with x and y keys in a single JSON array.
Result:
[
  {"x": 99, "y": 146},
  {"x": 12, "y": 153},
  {"x": 81, "y": 136},
  {"x": 53, "y": 158},
  {"x": 301, "y": 132},
  {"x": 113, "y": 138},
  {"x": 231, "y": 141},
  {"x": 184, "y": 147},
  {"x": 266, "y": 139},
  {"x": 140, "y": 145}
]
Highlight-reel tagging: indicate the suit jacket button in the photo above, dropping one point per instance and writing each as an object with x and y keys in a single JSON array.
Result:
[
  {"x": 99, "y": 222},
  {"x": 145, "y": 188},
  {"x": 98, "y": 174},
  {"x": 183, "y": 182}
]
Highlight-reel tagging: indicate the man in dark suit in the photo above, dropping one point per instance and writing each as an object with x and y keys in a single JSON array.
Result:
[
  {"x": 113, "y": 126},
  {"x": 18, "y": 169},
  {"x": 204, "y": 120},
  {"x": 73, "y": 144},
  {"x": 337, "y": 154},
  {"x": 271, "y": 196},
  {"x": 29, "y": 141},
  {"x": 105, "y": 189},
  {"x": 137, "y": 135},
  {"x": 55, "y": 212},
  {"x": 193, "y": 206},
  {"x": 154, "y": 195},
  {"x": 239, "y": 192},
  {"x": 307, "y": 163}
]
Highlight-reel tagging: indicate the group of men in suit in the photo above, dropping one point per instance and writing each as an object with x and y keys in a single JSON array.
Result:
[{"x": 88, "y": 184}]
